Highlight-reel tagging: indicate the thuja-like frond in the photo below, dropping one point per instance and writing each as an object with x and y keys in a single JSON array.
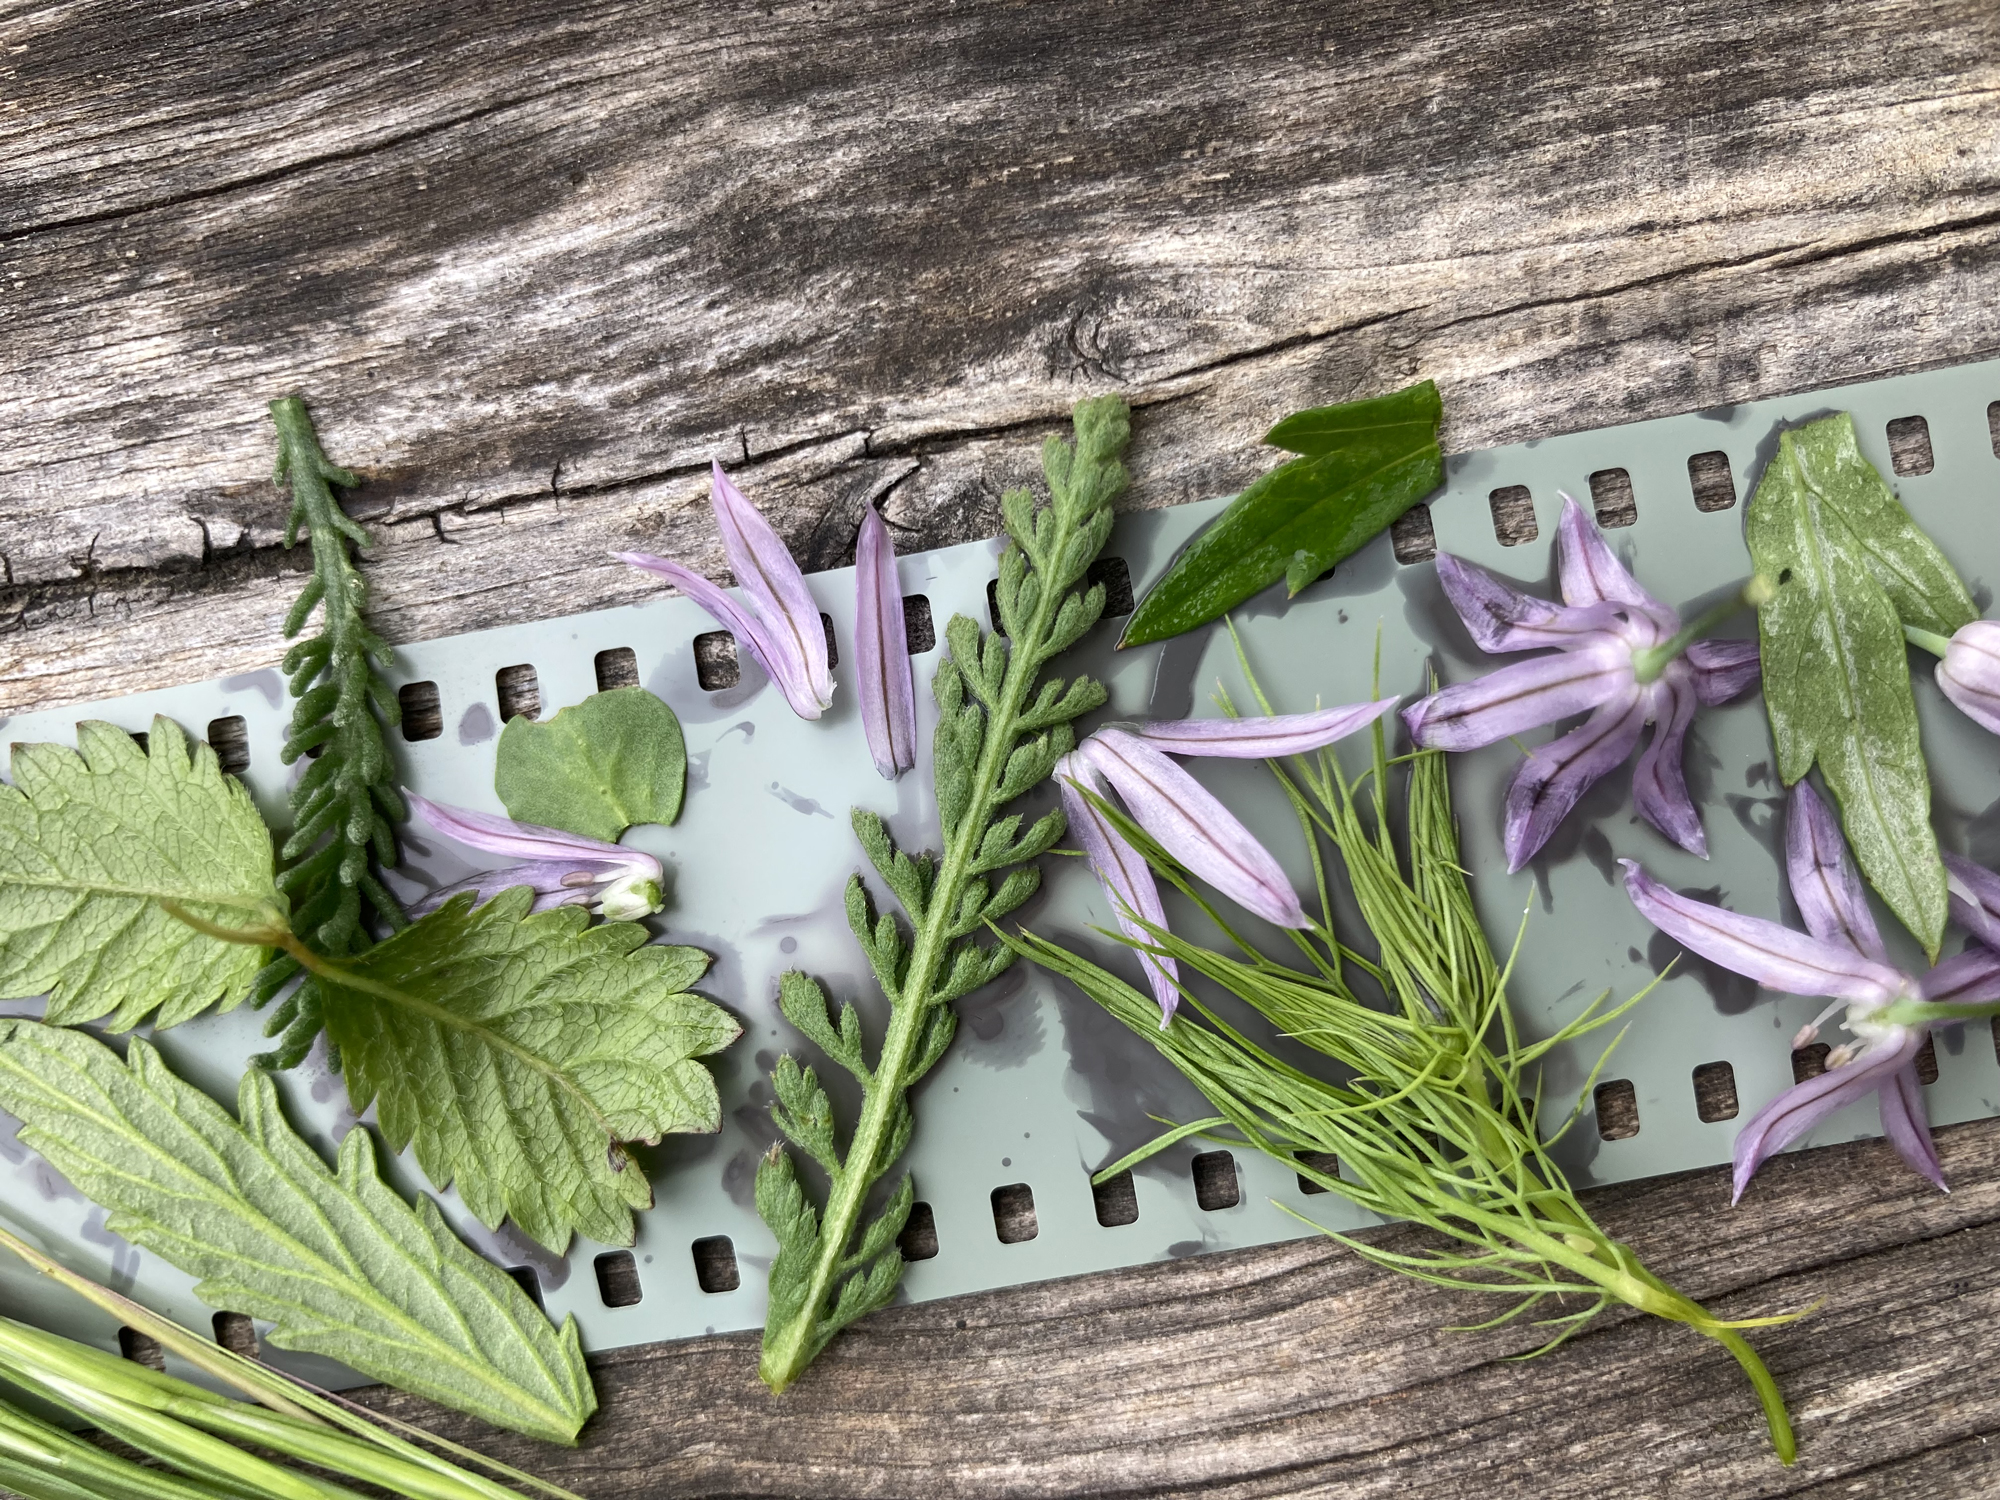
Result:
[
  {"x": 1001, "y": 727},
  {"x": 345, "y": 804},
  {"x": 1437, "y": 1121}
]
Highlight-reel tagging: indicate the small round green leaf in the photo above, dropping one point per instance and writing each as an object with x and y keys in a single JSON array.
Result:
[{"x": 597, "y": 768}]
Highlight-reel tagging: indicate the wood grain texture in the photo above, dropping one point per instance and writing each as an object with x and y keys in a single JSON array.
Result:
[{"x": 534, "y": 264}]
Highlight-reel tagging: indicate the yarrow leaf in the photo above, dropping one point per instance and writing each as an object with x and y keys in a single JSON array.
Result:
[
  {"x": 519, "y": 1053},
  {"x": 1851, "y": 570},
  {"x": 92, "y": 840},
  {"x": 597, "y": 768},
  {"x": 1001, "y": 727},
  {"x": 335, "y": 1259},
  {"x": 345, "y": 804}
]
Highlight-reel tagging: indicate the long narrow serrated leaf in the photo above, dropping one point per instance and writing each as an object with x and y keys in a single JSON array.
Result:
[
  {"x": 1364, "y": 463},
  {"x": 1836, "y": 672},
  {"x": 92, "y": 840},
  {"x": 339, "y": 1263},
  {"x": 517, "y": 1052}
]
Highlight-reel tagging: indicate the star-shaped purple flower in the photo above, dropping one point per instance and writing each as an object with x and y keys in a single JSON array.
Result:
[
  {"x": 1840, "y": 956},
  {"x": 1620, "y": 656}
]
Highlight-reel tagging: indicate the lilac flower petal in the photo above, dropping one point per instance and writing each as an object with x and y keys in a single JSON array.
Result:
[
  {"x": 1774, "y": 956},
  {"x": 1975, "y": 898},
  {"x": 1194, "y": 827},
  {"x": 1823, "y": 879},
  {"x": 500, "y": 835},
  {"x": 1591, "y": 575},
  {"x": 1969, "y": 672},
  {"x": 1523, "y": 696},
  {"x": 1723, "y": 669},
  {"x": 1555, "y": 775},
  {"x": 486, "y": 884},
  {"x": 1262, "y": 739},
  {"x": 1907, "y": 1125},
  {"x": 786, "y": 671},
  {"x": 882, "y": 651},
  {"x": 1804, "y": 1105},
  {"x": 1964, "y": 979},
  {"x": 1499, "y": 617},
  {"x": 1659, "y": 784},
  {"x": 774, "y": 585},
  {"x": 1126, "y": 877}
]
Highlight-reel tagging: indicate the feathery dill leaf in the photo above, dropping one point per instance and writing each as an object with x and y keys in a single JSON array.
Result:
[
  {"x": 1001, "y": 729},
  {"x": 1437, "y": 1123}
]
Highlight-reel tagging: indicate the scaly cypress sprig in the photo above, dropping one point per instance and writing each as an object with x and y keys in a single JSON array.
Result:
[
  {"x": 345, "y": 804},
  {"x": 1001, "y": 730}
]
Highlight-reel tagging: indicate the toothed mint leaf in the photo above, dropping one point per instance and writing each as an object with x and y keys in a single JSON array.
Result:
[
  {"x": 92, "y": 840},
  {"x": 519, "y": 1052},
  {"x": 336, "y": 1260},
  {"x": 597, "y": 767}
]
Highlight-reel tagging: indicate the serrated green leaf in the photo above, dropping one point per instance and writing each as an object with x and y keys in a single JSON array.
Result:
[
  {"x": 337, "y": 1261},
  {"x": 1364, "y": 463},
  {"x": 92, "y": 840},
  {"x": 597, "y": 768},
  {"x": 1836, "y": 671},
  {"x": 517, "y": 1052}
]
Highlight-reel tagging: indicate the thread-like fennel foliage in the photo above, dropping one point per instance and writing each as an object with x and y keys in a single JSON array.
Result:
[
  {"x": 345, "y": 804},
  {"x": 1437, "y": 1121},
  {"x": 1001, "y": 729}
]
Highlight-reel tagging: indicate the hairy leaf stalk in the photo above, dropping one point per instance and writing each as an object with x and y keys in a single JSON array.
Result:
[{"x": 1001, "y": 730}]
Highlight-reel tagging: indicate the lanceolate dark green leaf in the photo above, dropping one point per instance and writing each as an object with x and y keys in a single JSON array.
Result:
[
  {"x": 519, "y": 1053},
  {"x": 1362, "y": 464},
  {"x": 1824, "y": 527},
  {"x": 92, "y": 840},
  {"x": 338, "y": 1262},
  {"x": 597, "y": 767}
]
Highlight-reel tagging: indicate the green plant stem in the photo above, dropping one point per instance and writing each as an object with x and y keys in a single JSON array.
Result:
[{"x": 1930, "y": 640}]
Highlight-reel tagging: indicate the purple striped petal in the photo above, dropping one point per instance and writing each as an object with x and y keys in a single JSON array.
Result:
[
  {"x": 882, "y": 651},
  {"x": 1969, "y": 672},
  {"x": 1907, "y": 1124},
  {"x": 1804, "y": 1105},
  {"x": 1659, "y": 783},
  {"x": 1774, "y": 956},
  {"x": 1823, "y": 879},
  {"x": 1967, "y": 978},
  {"x": 1591, "y": 575},
  {"x": 1262, "y": 739},
  {"x": 1556, "y": 775},
  {"x": 563, "y": 869},
  {"x": 499, "y": 835},
  {"x": 1723, "y": 669},
  {"x": 1194, "y": 827},
  {"x": 1126, "y": 877},
  {"x": 1523, "y": 696},
  {"x": 791, "y": 676},
  {"x": 1975, "y": 898},
  {"x": 775, "y": 587},
  {"x": 1499, "y": 617}
]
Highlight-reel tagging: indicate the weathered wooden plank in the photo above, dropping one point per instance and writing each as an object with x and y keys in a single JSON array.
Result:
[
  {"x": 549, "y": 262},
  {"x": 536, "y": 264},
  {"x": 1299, "y": 1370}
]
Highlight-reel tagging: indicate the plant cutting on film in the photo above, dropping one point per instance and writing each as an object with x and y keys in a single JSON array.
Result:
[
  {"x": 513, "y": 1043},
  {"x": 1436, "y": 1116}
]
